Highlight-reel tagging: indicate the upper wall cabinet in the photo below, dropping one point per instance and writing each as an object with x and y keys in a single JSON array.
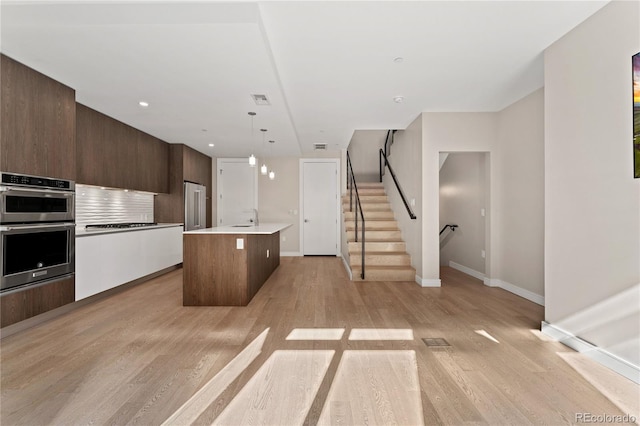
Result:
[
  {"x": 186, "y": 164},
  {"x": 38, "y": 125},
  {"x": 113, "y": 154}
]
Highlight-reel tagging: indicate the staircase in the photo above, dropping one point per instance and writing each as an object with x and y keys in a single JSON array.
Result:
[{"x": 386, "y": 257}]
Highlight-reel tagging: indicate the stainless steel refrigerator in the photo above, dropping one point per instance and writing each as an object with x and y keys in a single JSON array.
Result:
[{"x": 195, "y": 206}]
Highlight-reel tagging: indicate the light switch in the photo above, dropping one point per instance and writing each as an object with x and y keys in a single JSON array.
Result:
[
  {"x": 482, "y": 212},
  {"x": 413, "y": 202},
  {"x": 240, "y": 243}
]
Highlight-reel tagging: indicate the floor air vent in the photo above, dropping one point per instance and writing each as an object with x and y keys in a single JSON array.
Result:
[{"x": 435, "y": 342}]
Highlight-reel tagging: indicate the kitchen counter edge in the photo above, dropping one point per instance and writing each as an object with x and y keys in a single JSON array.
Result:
[
  {"x": 265, "y": 228},
  {"x": 81, "y": 232}
]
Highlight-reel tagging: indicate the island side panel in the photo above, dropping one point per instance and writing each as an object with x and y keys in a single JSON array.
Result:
[
  {"x": 260, "y": 266},
  {"x": 214, "y": 270}
]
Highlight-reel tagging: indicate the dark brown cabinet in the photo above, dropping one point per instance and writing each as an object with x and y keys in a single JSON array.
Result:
[
  {"x": 113, "y": 154},
  {"x": 217, "y": 273},
  {"x": 185, "y": 164},
  {"x": 38, "y": 125},
  {"x": 22, "y": 304}
]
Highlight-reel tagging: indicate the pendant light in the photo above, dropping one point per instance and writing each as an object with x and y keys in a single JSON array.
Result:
[
  {"x": 263, "y": 169},
  {"x": 272, "y": 174},
  {"x": 252, "y": 158}
]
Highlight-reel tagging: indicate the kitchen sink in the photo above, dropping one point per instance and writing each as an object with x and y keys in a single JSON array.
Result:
[{"x": 241, "y": 226}]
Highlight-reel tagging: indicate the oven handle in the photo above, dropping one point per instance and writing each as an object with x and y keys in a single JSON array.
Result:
[
  {"x": 53, "y": 225},
  {"x": 61, "y": 192},
  {"x": 37, "y": 284}
]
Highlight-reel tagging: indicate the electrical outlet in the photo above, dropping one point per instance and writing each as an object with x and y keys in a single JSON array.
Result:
[
  {"x": 240, "y": 243},
  {"x": 482, "y": 253},
  {"x": 482, "y": 212},
  {"x": 284, "y": 238}
]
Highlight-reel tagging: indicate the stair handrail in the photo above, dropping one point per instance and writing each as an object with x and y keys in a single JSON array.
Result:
[
  {"x": 351, "y": 183},
  {"x": 449, "y": 225},
  {"x": 382, "y": 157},
  {"x": 388, "y": 141}
]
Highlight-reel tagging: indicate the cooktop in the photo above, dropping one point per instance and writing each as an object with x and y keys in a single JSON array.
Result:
[{"x": 121, "y": 225}]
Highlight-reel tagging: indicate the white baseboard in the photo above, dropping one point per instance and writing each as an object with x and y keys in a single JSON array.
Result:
[
  {"x": 468, "y": 271},
  {"x": 290, "y": 254},
  {"x": 426, "y": 282},
  {"x": 347, "y": 267},
  {"x": 529, "y": 295},
  {"x": 601, "y": 356},
  {"x": 493, "y": 282}
]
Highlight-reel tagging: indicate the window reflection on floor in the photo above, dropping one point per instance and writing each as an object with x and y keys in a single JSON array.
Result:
[
  {"x": 369, "y": 387},
  {"x": 381, "y": 334},
  {"x": 316, "y": 334}
]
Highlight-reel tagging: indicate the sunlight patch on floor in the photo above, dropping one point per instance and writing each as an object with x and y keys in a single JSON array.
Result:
[
  {"x": 281, "y": 392},
  {"x": 316, "y": 334},
  {"x": 381, "y": 334},
  {"x": 487, "y": 335},
  {"x": 374, "y": 387},
  {"x": 199, "y": 402},
  {"x": 621, "y": 391}
]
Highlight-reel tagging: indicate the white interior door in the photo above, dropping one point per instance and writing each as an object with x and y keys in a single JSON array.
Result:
[
  {"x": 237, "y": 191},
  {"x": 320, "y": 205}
]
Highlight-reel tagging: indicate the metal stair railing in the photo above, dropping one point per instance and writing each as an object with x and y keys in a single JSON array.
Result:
[
  {"x": 351, "y": 183},
  {"x": 384, "y": 163}
]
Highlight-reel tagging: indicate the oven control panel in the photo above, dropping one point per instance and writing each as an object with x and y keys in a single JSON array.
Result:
[{"x": 36, "y": 182}]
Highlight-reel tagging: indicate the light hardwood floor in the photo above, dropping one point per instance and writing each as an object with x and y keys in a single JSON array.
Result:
[{"x": 140, "y": 357}]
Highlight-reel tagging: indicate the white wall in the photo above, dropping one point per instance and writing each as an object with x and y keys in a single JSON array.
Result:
[
  {"x": 462, "y": 196},
  {"x": 450, "y": 132},
  {"x": 405, "y": 160},
  {"x": 364, "y": 150},
  {"x": 278, "y": 199},
  {"x": 592, "y": 202},
  {"x": 514, "y": 205},
  {"x": 518, "y": 198}
]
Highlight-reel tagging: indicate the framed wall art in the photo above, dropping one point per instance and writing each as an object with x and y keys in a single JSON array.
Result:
[{"x": 636, "y": 115}]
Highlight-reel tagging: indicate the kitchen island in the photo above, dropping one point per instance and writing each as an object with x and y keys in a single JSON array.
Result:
[{"x": 227, "y": 265}]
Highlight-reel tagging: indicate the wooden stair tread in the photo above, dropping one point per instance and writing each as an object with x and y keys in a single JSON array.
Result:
[
  {"x": 384, "y": 268},
  {"x": 384, "y": 253}
]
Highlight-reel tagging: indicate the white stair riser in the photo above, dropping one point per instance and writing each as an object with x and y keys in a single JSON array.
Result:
[
  {"x": 377, "y": 246},
  {"x": 370, "y": 215},
  {"x": 367, "y": 199},
  {"x": 375, "y": 235},
  {"x": 355, "y": 259},
  {"x": 371, "y": 224}
]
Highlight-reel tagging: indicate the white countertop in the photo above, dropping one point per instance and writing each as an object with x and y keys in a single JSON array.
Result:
[
  {"x": 82, "y": 232},
  {"x": 263, "y": 228}
]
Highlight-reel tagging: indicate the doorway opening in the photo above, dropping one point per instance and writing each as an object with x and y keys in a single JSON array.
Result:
[{"x": 464, "y": 201}]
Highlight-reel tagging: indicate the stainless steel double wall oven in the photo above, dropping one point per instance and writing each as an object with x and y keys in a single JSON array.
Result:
[{"x": 37, "y": 230}]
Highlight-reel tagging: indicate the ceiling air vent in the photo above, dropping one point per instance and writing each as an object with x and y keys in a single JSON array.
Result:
[
  {"x": 319, "y": 146},
  {"x": 260, "y": 99}
]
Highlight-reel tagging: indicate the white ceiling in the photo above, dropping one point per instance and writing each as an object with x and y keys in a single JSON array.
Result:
[{"x": 326, "y": 66}]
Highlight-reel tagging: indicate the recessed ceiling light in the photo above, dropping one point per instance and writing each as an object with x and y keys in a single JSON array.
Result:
[
  {"x": 212, "y": 144},
  {"x": 143, "y": 104},
  {"x": 398, "y": 59},
  {"x": 398, "y": 99}
]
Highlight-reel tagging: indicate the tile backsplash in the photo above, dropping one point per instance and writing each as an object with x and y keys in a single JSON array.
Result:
[{"x": 95, "y": 205}]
